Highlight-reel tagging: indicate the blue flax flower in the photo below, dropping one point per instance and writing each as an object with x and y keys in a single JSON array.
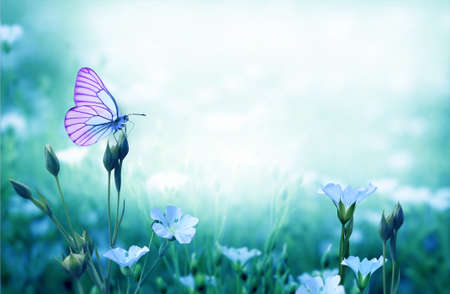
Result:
[
  {"x": 241, "y": 255},
  {"x": 126, "y": 258},
  {"x": 346, "y": 200},
  {"x": 172, "y": 224},
  {"x": 363, "y": 269},
  {"x": 319, "y": 285}
]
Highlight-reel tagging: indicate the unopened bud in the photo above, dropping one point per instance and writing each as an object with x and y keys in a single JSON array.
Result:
[
  {"x": 74, "y": 264},
  {"x": 21, "y": 189},
  {"x": 398, "y": 216},
  {"x": 109, "y": 160},
  {"x": 84, "y": 242},
  {"x": 386, "y": 227},
  {"x": 123, "y": 148},
  {"x": 118, "y": 176},
  {"x": 51, "y": 161}
]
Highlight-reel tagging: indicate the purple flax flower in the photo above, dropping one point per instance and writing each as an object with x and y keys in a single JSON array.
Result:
[
  {"x": 126, "y": 258},
  {"x": 172, "y": 224}
]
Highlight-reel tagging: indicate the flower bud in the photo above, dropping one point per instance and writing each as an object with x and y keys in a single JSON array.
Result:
[
  {"x": 386, "y": 227},
  {"x": 84, "y": 242},
  {"x": 118, "y": 176},
  {"x": 161, "y": 285},
  {"x": 51, "y": 161},
  {"x": 123, "y": 148},
  {"x": 21, "y": 189},
  {"x": 109, "y": 159},
  {"x": 397, "y": 216},
  {"x": 75, "y": 264}
]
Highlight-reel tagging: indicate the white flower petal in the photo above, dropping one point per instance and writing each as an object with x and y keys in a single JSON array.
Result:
[
  {"x": 185, "y": 236},
  {"x": 353, "y": 263},
  {"x": 334, "y": 192},
  {"x": 162, "y": 231},
  {"x": 158, "y": 215},
  {"x": 173, "y": 214},
  {"x": 118, "y": 255},
  {"x": 187, "y": 221}
]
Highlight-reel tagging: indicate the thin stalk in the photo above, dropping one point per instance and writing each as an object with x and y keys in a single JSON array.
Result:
[
  {"x": 384, "y": 267},
  {"x": 341, "y": 255},
  {"x": 238, "y": 284},
  {"x": 392, "y": 277},
  {"x": 109, "y": 208},
  {"x": 155, "y": 263},
  {"x": 61, "y": 229},
  {"x": 79, "y": 287},
  {"x": 145, "y": 264},
  {"x": 64, "y": 205},
  {"x": 116, "y": 227},
  {"x": 128, "y": 285}
]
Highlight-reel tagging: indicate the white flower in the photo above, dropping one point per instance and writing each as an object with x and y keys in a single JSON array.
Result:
[
  {"x": 319, "y": 285},
  {"x": 241, "y": 255},
  {"x": 189, "y": 281},
  {"x": 349, "y": 196},
  {"x": 172, "y": 224},
  {"x": 364, "y": 267},
  {"x": 126, "y": 258},
  {"x": 9, "y": 33},
  {"x": 324, "y": 274}
]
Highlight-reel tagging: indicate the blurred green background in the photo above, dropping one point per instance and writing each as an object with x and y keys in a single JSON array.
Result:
[{"x": 247, "y": 103}]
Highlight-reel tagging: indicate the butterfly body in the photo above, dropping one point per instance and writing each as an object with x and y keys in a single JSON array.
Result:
[{"x": 96, "y": 114}]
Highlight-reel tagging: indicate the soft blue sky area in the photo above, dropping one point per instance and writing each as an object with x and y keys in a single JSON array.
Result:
[{"x": 255, "y": 93}]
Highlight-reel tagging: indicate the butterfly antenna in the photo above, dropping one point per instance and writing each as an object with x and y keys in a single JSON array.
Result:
[{"x": 140, "y": 114}]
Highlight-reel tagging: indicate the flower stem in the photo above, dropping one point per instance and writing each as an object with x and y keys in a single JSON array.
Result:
[
  {"x": 116, "y": 227},
  {"x": 79, "y": 287},
  {"x": 109, "y": 208},
  {"x": 341, "y": 255},
  {"x": 143, "y": 267},
  {"x": 384, "y": 267},
  {"x": 158, "y": 259},
  {"x": 64, "y": 205}
]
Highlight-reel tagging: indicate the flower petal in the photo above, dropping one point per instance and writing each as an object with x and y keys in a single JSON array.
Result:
[
  {"x": 366, "y": 192},
  {"x": 187, "y": 221},
  {"x": 117, "y": 255},
  {"x": 349, "y": 196},
  {"x": 158, "y": 215},
  {"x": 353, "y": 263},
  {"x": 173, "y": 214},
  {"x": 334, "y": 192},
  {"x": 162, "y": 231},
  {"x": 185, "y": 236}
]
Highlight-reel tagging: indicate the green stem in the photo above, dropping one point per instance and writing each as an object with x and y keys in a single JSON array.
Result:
[
  {"x": 341, "y": 255},
  {"x": 384, "y": 267},
  {"x": 79, "y": 287},
  {"x": 392, "y": 276},
  {"x": 145, "y": 262},
  {"x": 158, "y": 259},
  {"x": 64, "y": 204},
  {"x": 61, "y": 229},
  {"x": 128, "y": 285},
  {"x": 238, "y": 283},
  {"x": 109, "y": 208},
  {"x": 116, "y": 227}
]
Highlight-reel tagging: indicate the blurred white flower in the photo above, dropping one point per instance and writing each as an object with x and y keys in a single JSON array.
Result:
[
  {"x": 241, "y": 255},
  {"x": 10, "y": 33},
  {"x": 72, "y": 155},
  {"x": 189, "y": 281},
  {"x": 15, "y": 121},
  {"x": 172, "y": 224},
  {"x": 319, "y": 285},
  {"x": 126, "y": 258},
  {"x": 324, "y": 274},
  {"x": 163, "y": 181}
]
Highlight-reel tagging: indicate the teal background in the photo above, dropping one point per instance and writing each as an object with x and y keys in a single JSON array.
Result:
[{"x": 251, "y": 107}]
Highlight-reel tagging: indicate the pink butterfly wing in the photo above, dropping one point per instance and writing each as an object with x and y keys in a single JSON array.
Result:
[{"x": 95, "y": 111}]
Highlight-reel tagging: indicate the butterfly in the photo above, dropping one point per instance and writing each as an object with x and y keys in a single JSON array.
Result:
[{"x": 96, "y": 114}]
